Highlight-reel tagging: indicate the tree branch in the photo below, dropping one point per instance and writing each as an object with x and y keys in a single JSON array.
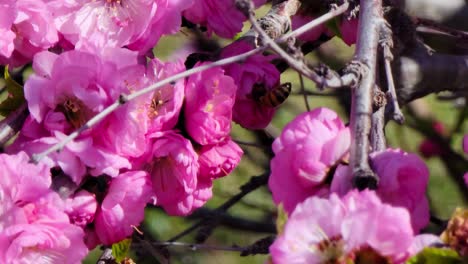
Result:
[{"x": 370, "y": 21}]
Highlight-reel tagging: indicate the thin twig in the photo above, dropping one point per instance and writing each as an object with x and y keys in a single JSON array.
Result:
[
  {"x": 253, "y": 184},
  {"x": 194, "y": 247},
  {"x": 306, "y": 101},
  {"x": 250, "y": 144},
  {"x": 386, "y": 43},
  {"x": 311, "y": 93},
  {"x": 370, "y": 19},
  {"x": 429, "y": 24},
  {"x": 331, "y": 80}
]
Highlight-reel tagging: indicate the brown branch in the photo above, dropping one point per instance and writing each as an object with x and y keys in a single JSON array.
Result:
[
  {"x": 370, "y": 21},
  {"x": 418, "y": 74},
  {"x": 377, "y": 133}
]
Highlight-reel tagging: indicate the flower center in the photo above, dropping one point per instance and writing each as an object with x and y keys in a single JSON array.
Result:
[
  {"x": 332, "y": 250},
  {"x": 75, "y": 112},
  {"x": 156, "y": 105},
  {"x": 114, "y": 2},
  {"x": 368, "y": 255}
]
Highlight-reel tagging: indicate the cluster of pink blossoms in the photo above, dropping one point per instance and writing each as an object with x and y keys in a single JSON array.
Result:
[
  {"x": 350, "y": 229},
  {"x": 30, "y": 26},
  {"x": 166, "y": 148},
  {"x": 33, "y": 224},
  {"x": 310, "y": 165}
]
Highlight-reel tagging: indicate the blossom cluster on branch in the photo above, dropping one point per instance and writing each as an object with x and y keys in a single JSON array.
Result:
[{"x": 167, "y": 147}]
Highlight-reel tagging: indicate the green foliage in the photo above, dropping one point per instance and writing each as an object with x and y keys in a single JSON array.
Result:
[
  {"x": 282, "y": 219},
  {"x": 121, "y": 249},
  {"x": 334, "y": 26},
  {"x": 14, "y": 96},
  {"x": 436, "y": 256}
]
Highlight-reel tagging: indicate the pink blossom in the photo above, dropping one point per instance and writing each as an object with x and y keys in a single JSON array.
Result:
[
  {"x": 134, "y": 23},
  {"x": 209, "y": 99},
  {"x": 308, "y": 147},
  {"x": 67, "y": 90},
  {"x": 7, "y": 36},
  {"x": 33, "y": 28},
  {"x": 160, "y": 111},
  {"x": 173, "y": 166},
  {"x": 349, "y": 30},
  {"x": 123, "y": 206},
  {"x": 255, "y": 71},
  {"x": 403, "y": 182},
  {"x": 167, "y": 20},
  {"x": 219, "y": 16},
  {"x": 299, "y": 20},
  {"x": 338, "y": 230},
  {"x": 219, "y": 160},
  {"x": 33, "y": 224},
  {"x": 190, "y": 201},
  {"x": 81, "y": 208}
]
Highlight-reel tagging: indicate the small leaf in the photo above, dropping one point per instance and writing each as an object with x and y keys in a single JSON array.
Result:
[
  {"x": 120, "y": 250},
  {"x": 281, "y": 219},
  {"x": 436, "y": 256},
  {"x": 15, "y": 97}
]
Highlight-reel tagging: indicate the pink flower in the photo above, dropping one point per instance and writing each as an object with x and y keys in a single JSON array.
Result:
[
  {"x": 299, "y": 20},
  {"x": 135, "y": 23},
  {"x": 7, "y": 36},
  {"x": 81, "y": 208},
  {"x": 219, "y": 160},
  {"x": 219, "y": 16},
  {"x": 33, "y": 28},
  {"x": 403, "y": 182},
  {"x": 173, "y": 166},
  {"x": 67, "y": 90},
  {"x": 338, "y": 230},
  {"x": 255, "y": 71},
  {"x": 191, "y": 201},
  {"x": 123, "y": 207},
  {"x": 167, "y": 20},
  {"x": 208, "y": 106},
  {"x": 43, "y": 242},
  {"x": 33, "y": 224},
  {"x": 349, "y": 30},
  {"x": 160, "y": 111},
  {"x": 308, "y": 147}
]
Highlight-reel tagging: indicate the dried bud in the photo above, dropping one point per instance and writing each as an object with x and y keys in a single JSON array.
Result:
[{"x": 456, "y": 234}]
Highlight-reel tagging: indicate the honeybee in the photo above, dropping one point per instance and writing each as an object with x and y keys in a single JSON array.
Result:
[{"x": 272, "y": 98}]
